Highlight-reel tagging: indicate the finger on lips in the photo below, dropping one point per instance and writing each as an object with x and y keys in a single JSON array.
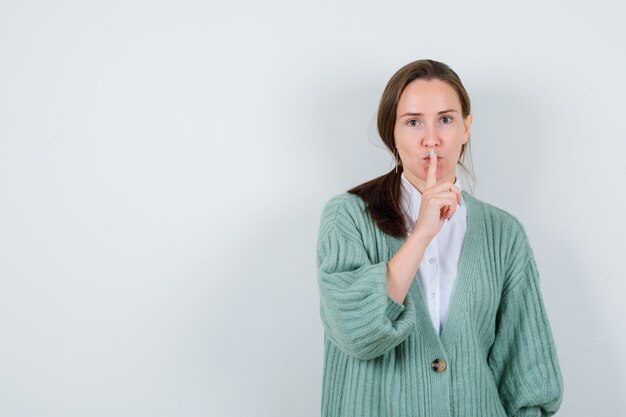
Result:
[
  {"x": 431, "y": 178},
  {"x": 431, "y": 181}
]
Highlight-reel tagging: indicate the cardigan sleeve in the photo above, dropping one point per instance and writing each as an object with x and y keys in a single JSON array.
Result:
[
  {"x": 523, "y": 357},
  {"x": 357, "y": 314}
]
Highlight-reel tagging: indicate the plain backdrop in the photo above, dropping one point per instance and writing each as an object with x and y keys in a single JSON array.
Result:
[{"x": 163, "y": 166}]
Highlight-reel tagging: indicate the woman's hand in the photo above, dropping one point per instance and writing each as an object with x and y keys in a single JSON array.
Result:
[{"x": 439, "y": 202}]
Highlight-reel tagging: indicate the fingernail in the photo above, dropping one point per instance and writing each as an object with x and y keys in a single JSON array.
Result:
[{"x": 432, "y": 151}]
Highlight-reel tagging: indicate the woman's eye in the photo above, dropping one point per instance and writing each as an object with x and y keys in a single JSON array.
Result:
[
  {"x": 447, "y": 117},
  {"x": 412, "y": 122}
]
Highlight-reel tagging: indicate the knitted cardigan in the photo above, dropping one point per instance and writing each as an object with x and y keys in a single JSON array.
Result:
[{"x": 378, "y": 355}]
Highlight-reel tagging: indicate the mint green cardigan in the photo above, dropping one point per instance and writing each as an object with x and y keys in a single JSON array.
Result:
[{"x": 378, "y": 355}]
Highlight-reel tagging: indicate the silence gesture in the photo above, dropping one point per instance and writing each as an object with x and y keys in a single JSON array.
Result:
[{"x": 439, "y": 202}]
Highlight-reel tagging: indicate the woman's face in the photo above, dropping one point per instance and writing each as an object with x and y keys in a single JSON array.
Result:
[{"x": 429, "y": 116}]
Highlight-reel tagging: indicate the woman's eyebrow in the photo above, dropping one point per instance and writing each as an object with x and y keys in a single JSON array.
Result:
[{"x": 421, "y": 114}]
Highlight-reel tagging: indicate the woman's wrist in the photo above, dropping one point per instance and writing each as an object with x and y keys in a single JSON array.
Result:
[{"x": 418, "y": 235}]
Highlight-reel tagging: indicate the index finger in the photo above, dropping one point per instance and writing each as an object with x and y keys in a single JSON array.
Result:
[{"x": 431, "y": 178}]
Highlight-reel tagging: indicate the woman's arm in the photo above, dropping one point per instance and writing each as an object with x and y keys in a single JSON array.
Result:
[
  {"x": 402, "y": 267},
  {"x": 523, "y": 357},
  {"x": 357, "y": 313},
  {"x": 437, "y": 205}
]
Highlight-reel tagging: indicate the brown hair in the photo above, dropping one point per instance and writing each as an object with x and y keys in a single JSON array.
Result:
[{"x": 382, "y": 194}]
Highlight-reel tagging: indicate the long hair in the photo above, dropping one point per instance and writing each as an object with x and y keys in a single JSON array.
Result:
[{"x": 383, "y": 194}]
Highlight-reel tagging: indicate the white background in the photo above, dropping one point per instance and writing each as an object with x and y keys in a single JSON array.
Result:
[{"x": 163, "y": 166}]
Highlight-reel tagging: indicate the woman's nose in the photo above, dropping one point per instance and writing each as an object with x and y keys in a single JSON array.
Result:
[{"x": 430, "y": 136}]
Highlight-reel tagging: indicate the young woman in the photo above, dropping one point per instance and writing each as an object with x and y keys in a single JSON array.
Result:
[{"x": 429, "y": 297}]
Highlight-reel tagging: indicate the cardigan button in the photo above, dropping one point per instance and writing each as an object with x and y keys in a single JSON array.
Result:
[{"x": 439, "y": 365}]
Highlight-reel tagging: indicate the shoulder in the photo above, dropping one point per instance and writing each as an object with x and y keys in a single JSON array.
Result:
[
  {"x": 343, "y": 203},
  {"x": 495, "y": 214},
  {"x": 343, "y": 212},
  {"x": 504, "y": 226}
]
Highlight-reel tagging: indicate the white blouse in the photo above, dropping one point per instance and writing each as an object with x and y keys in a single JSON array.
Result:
[{"x": 438, "y": 269}]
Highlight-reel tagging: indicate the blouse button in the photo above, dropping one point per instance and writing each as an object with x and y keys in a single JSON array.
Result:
[{"x": 439, "y": 365}]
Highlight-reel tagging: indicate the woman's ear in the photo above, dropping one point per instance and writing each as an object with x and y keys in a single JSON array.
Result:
[{"x": 468, "y": 125}]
